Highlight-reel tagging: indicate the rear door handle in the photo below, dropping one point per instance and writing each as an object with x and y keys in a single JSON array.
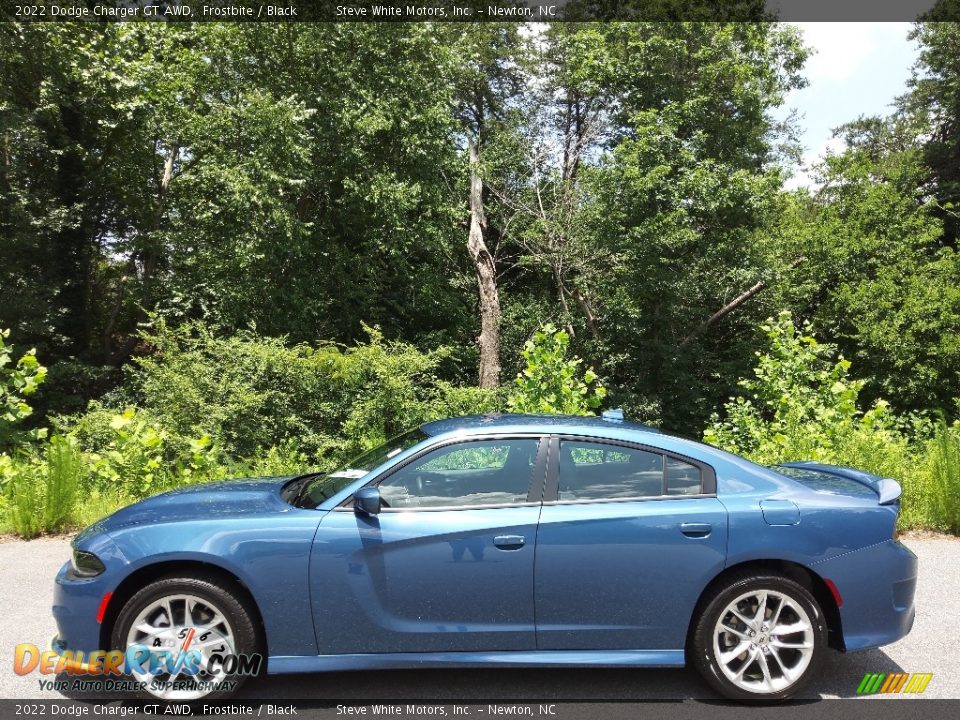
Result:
[
  {"x": 509, "y": 542},
  {"x": 696, "y": 530}
]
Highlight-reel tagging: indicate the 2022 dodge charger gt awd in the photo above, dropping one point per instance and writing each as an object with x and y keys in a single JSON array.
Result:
[{"x": 506, "y": 540}]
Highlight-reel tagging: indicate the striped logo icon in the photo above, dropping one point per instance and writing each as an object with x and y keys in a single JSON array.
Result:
[{"x": 874, "y": 683}]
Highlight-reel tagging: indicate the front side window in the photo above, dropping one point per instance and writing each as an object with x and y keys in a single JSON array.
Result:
[
  {"x": 468, "y": 474},
  {"x": 595, "y": 471}
]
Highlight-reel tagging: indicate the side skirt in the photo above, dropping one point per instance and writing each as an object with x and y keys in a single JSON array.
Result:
[{"x": 278, "y": 665}]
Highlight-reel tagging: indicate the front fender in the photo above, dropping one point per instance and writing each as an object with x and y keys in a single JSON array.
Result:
[{"x": 271, "y": 560}]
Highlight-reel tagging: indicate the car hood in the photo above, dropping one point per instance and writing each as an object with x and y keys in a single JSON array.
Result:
[{"x": 227, "y": 498}]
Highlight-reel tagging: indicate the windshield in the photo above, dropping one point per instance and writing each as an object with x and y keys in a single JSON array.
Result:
[{"x": 321, "y": 488}]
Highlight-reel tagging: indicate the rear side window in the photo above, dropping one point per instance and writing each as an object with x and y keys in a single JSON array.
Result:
[
  {"x": 595, "y": 471},
  {"x": 592, "y": 471}
]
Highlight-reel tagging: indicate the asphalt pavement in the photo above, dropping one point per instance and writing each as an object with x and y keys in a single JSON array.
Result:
[{"x": 26, "y": 587}]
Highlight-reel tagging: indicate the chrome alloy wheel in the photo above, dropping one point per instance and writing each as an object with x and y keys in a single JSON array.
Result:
[
  {"x": 173, "y": 628},
  {"x": 763, "y": 641}
]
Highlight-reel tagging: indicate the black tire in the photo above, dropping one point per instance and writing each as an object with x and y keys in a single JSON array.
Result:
[
  {"x": 710, "y": 615},
  {"x": 221, "y": 594}
]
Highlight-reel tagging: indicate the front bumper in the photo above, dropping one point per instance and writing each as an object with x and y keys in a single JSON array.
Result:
[
  {"x": 74, "y": 663},
  {"x": 877, "y": 585},
  {"x": 77, "y": 601}
]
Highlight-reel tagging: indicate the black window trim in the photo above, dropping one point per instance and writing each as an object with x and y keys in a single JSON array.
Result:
[
  {"x": 708, "y": 488},
  {"x": 535, "y": 492}
]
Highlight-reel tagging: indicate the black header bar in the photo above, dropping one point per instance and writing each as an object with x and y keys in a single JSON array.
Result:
[{"x": 476, "y": 10}]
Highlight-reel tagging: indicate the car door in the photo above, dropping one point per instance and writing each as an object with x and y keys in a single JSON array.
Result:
[
  {"x": 447, "y": 565},
  {"x": 628, "y": 538}
]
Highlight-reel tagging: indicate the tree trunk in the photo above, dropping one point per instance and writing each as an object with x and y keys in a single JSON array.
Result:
[{"x": 486, "y": 272}]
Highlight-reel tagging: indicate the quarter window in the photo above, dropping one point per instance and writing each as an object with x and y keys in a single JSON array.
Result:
[
  {"x": 683, "y": 478},
  {"x": 494, "y": 472}
]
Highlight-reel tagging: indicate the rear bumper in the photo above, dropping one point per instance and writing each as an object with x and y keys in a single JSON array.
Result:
[{"x": 877, "y": 585}]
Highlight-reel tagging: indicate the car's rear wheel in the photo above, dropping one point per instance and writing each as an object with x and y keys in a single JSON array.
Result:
[
  {"x": 761, "y": 637},
  {"x": 186, "y": 635}
]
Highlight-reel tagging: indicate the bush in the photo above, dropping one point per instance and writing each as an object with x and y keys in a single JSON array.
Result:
[
  {"x": 550, "y": 383},
  {"x": 65, "y": 473},
  {"x": 250, "y": 393},
  {"x": 25, "y": 502},
  {"x": 802, "y": 405},
  {"x": 16, "y": 384},
  {"x": 139, "y": 458}
]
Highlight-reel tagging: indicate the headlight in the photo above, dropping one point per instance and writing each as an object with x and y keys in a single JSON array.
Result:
[{"x": 85, "y": 565}]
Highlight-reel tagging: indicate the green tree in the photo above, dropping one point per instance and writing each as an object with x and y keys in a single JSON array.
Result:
[
  {"x": 679, "y": 205},
  {"x": 934, "y": 96},
  {"x": 877, "y": 278}
]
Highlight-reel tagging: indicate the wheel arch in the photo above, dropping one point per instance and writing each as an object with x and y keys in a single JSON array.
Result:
[
  {"x": 786, "y": 568},
  {"x": 179, "y": 568}
]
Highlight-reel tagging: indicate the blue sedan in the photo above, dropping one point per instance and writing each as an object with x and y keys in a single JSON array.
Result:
[{"x": 497, "y": 540}]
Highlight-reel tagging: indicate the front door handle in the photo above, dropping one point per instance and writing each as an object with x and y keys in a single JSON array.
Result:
[
  {"x": 696, "y": 530},
  {"x": 509, "y": 542}
]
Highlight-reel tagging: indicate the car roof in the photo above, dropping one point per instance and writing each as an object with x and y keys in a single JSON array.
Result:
[{"x": 513, "y": 422}]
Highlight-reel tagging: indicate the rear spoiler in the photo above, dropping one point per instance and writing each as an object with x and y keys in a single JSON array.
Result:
[{"x": 888, "y": 490}]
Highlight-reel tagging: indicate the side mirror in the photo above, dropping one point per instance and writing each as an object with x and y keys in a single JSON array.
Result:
[{"x": 367, "y": 500}]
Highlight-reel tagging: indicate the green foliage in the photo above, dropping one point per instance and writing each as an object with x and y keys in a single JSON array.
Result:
[
  {"x": 801, "y": 404},
  {"x": 250, "y": 393},
  {"x": 551, "y": 383},
  {"x": 17, "y": 382},
  {"x": 876, "y": 277},
  {"x": 285, "y": 459},
  {"x": 44, "y": 486},
  {"x": 941, "y": 499},
  {"x": 25, "y": 502},
  {"x": 65, "y": 473},
  {"x": 256, "y": 194},
  {"x": 140, "y": 458}
]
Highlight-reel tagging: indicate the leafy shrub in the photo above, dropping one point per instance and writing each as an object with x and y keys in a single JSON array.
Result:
[
  {"x": 251, "y": 393},
  {"x": 801, "y": 404},
  {"x": 286, "y": 459},
  {"x": 550, "y": 383},
  {"x": 16, "y": 384},
  {"x": 7, "y": 469},
  {"x": 140, "y": 458},
  {"x": 98, "y": 503}
]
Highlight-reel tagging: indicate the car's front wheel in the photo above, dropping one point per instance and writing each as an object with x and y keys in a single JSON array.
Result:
[
  {"x": 187, "y": 637},
  {"x": 761, "y": 637}
]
